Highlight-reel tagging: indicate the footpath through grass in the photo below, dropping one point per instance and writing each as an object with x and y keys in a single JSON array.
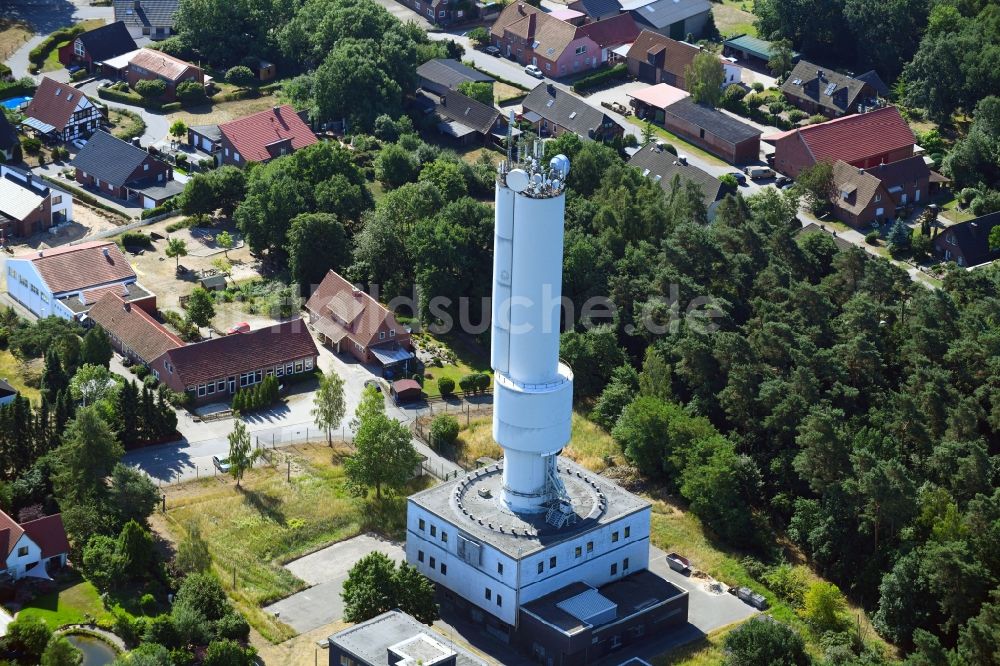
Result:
[{"x": 269, "y": 521}]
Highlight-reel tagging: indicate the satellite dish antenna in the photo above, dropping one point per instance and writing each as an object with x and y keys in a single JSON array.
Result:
[{"x": 517, "y": 180}]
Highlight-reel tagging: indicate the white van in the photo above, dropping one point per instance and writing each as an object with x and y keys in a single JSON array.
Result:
[{"x": 756, "y": 172}]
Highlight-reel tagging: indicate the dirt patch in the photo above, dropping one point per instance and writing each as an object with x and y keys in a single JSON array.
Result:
[
  {"x": 301, "y": 650},
  {"x": 86, "y": 221},
  {"x": 733, "y": 17},
  {"x": 13, "y": 34},
  {"x": 221, "y": 113}
]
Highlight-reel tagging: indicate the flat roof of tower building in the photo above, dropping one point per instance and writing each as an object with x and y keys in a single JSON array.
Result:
[{"x": 471, "y": 503}]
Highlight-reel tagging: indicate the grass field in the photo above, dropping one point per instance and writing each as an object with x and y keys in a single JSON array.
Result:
[
  {"x": 734, "y": 17},
  {"x": 12, "y": 370},
  {"x": 468, "y": 358},
  {"x": 13, "y": 34},
  {"x": 680, "y": 144},
  {"x": 252, "y": 531},
  {"x": 71, "y": 604},
  {"x": 52, "y": 63}
]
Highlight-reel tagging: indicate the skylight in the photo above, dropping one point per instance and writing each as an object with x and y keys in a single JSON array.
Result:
[
  {"x": 649, "y": 8},
  {"x": 550, "y": 102},
  {"x": 534, "y": 44},
  {"x": 572, "y": 115},
  {"x": 797, "y": 82}
]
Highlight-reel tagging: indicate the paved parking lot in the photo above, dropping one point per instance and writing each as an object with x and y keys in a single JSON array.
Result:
[{"x": 326, "y": 570}]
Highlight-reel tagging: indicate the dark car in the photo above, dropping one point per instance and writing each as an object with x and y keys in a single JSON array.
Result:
[
  {"x": 739, "y": 176},
  {"x": 782, "y": 182},
  {"x": 491, "y": 50}
]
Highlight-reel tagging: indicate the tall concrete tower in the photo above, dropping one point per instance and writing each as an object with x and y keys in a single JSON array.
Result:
[{"x": 533, "y": 400}]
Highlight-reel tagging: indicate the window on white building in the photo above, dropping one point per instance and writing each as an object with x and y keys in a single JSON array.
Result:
[
  {"x": 444, "y": 569},
  {"x": 579, "y": 551},
  {"x": 541, "y": 567},
  {"x": 433, "y": 562},
  {"x": 625, "y": 564},
  {"x": 552, "y": 562},
  {"x": 590, "y": 546},
  {"x": 489, "y": 594},
  {"x": 500, "y": 568},
  {"x": 22, "y": 551},
  {"x": 434, "y": 530},
  {"x": 444, "y": 536},
  {"x": 420, "y": 556},
  {"x": 614, "y": 537},
  {"x": 628, "y": 530},
  {"x": 614, "y": 569},
  {"x": 420, "y": 524},
  {"x": 499, "y": 600}
]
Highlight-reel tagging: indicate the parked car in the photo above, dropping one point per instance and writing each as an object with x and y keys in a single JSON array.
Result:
[
  {"x": 79, "y": 143},
  {"x": 782, "y": 182},
  {"x": 221, "y": 464},
  {"x": 679, "y": 563},
  {"x": 491, "y": 50},
  {"x": 373, "y": 383},
  {"x": 618, "y": 107},
  {"x": 756, "y": 172},
  {"x": 242, "y": 327},
  {"x": 739, "y": 176},
  {"x": 532, "y": 70}
]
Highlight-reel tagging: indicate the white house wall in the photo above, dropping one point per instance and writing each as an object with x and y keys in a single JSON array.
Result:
[
  {"x": 16, "y": 564},
  {"x": 26, "y": 286}
]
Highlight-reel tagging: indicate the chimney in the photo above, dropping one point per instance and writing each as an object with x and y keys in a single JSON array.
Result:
[
  {"x": 551, "y": 88},
  {"x": 137, "y": 5},
  {"x": 135, "y": 142},
  {"x": 107, "y": 254},
  {"x": 355, "y": 291},
  {"x": 520, "y": 8},
  {"x": 40, "y": 254},
  {"x": 819, "y": 74},
  {"x": 127, "y": 306}
]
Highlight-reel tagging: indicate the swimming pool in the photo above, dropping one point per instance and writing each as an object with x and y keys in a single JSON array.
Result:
[{"x": 14, "y": 102}]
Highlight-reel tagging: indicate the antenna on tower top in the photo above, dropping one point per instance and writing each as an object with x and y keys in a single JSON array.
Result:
[{"x": 510, "y": 135}]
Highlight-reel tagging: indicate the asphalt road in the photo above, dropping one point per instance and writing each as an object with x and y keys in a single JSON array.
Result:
[{"x": 44, "y": 16}]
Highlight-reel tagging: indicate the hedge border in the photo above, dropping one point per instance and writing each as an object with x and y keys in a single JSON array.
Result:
[
  {"x": 37, "y": 55},
  {"x": 600, "y": 77},
  {"x": 85, "y": 197}
]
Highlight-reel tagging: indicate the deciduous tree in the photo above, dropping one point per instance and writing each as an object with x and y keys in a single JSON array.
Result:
[
  {"x": 329, "y": 407},
  {"x": 704, "y": 78}
]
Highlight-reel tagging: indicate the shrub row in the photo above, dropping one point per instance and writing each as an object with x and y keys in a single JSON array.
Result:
[
  {"x": 135, "y": 239},
  {"x": 21, "y": 87},
  {"x": 260, "y": 396},
  {"x": 133, "y": 99},
  {"x": 167, "y": 206},
  {"x": 38, "y": 54},
  {"x": 477, "y": 382},
  {"x": 600, "y": 77}
]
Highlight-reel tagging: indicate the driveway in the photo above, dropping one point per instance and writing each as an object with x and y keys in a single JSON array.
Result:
[
  {"x": 157, "y": 124},
  {"x": 404, "y": 14},
  {"x": 326, "y": 570},
  {"x": 45, "y": 16}
]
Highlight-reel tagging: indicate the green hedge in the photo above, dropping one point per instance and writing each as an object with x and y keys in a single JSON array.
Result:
[
  {"x": 167, "y": 206},
  {"x": 38, "y": 54},
  {"x": 133, "y": 99},
  {"x": 600, "y": 77},
  {"x": 21, "y": 88}
]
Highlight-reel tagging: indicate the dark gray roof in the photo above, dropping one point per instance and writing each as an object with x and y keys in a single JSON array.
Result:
[
  {"x": 663, "y": 13},
  {"x": 713, "y": 121},
  {"x": 110, "y": 159},
  {"x": 6, "y": 389},
  {"x": 450, "y": 73},
  {"x": 8, "y": 135},
  {"x": 108, "y": 41},
  {"x": 875, "y": 81},
  {"x": 972, "y": 238},
  {"x": 655, "y": 162},
  {"x": 370, "y": 641},
  {"x": 208, "y": 131},
  {"x": 565, "y": 109},
  {"x": 835, "y": 91},
  {"x": 161, "y": 191},
  {"x": 598, "y": 9},
  {"x": 153, "y": 13},
  {"x": 469, "y": 112}
]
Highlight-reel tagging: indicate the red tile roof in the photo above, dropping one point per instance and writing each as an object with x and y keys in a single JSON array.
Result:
[
  {"x": 83, "y": 266},
  {"x": 611, "y": 32},
  {"x": 345, "y": 311},
  {"x": 53, "y": 103},
  {"x": 234, "y": 354},
  {"x": 252, "y": 134},
  {"x": 163, "y": 65},
  {"x": 49, "y": 533},
  {"x": 134, "y": 327},
  {"x": 855, "y": 137},
  {"x": 10, "y": 532}
]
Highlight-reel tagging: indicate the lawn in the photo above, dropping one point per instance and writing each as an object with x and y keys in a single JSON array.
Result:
[
  {"x": 70, "y": 604},
  {"x": 126, "y": 124},
  {"x": 461, "y": 357},
  {"x": 706, "y": 651},
  {"x": 13, "y": 371},
  {"x": 503, "y": 92},
  {"x": 270, "y": 521},
  {"x": 951, "y": 210},
  {"x": 734, "y": 17},
  {"x": 13, "y": 33},
  {"x": 213, "y": 114},
  {"x": 52, "y": 63},
  {"x": 680, "y": 144}
]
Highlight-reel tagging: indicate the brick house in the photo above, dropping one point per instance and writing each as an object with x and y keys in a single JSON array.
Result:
[
  {"x": 862, "y": 140},
  {"x": 446, "y": 12},
  {"x": 133, "y": 332},
  {"x": 531, "y": 36},
  {"x": 147, "y": 65},
  {"x": 213, "y": 370},
  {"x": 95, "y": 46},
  {"x": 865, "y": 196},
  {"x": 348, "y": 319},
  {"x": 967, "y": 243},
  {"x": 656, "y": 163},
  {"x": 61, "y": 112},
  {"x": 262, "y": 136},
  {"x": 818, "y": 91},
  {"x": 121, "y": 170},
  {"x": 718, "y": 133},
  {"x": 29, "y": 205},
  {"x": 654, "y": 58},
  {"x": 552, "y": 111}
]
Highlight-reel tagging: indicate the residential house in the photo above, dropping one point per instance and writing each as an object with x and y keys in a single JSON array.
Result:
[
  {"x": 967, "y": 243},
  {"x": 213, "y": 370},
  {"x": 754, "y": 50},
  {"x": 121, "y": 170},
  {"x": 864, "y": 196},
  {"x": 711, "y": 129},
  {"x": 10, "y": 142},
  {"x": 552, "y": 111},
  {"x": 443, "y": 74},
  {"x": 133, "y": 332},
  {"x": 468, "y": 121},
  {"x": 907, "y": 180},
  {"x": 446, "y": 12},
  {"x": 206, "y": 138},
  {"x": 862, "y": 140},
  {"x": 61, "y": 112},
  {"x": 148, "y": 65},
  {"x": 95, "y": 46},
  {"x": 654, "y": 58},
  {"x": 663, "y": 167},
  {"x": 677, "y": 19},
  {"x": 348, "y": 319},
  {"x": 149, "y": 18},
  {"x": 262, "y": 136},
  {"x": 529, "y": 35},
  {"x": 394, "y": 639},
  {"x": 29, "y": 205},
  {"x": 7, "y": 393},
  {"x": 650, "y": 102},
  {"x": 598, "y": 9},
  {"x": 819, "y": 91},
  {"x": 66, "y": 281},
  {"x": 31, "y": 548}
]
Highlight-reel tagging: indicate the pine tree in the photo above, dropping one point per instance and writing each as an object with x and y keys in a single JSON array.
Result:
[
  {"x": 54, "y": 379},
  {"x": 128, "y": 413},
  {"x": 96, "y": 347}
]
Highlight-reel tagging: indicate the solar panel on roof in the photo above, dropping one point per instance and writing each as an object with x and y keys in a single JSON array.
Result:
[
  {"x": 830, "y": 88},
  {"x": 797, "y": 82}
]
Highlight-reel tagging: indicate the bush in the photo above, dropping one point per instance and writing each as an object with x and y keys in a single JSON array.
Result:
[
  {"x": 38, "y": 54},
  {"x": 788, "y": 582},
  {"x": 729, "y": 180},
  {"x": 985, "y": 203},
  {"x": 757, "y": 86},
  {"x": 240, "y": 75},
  {"x": 191, "y": 92},
  {"x": 600, "y": 77},
  {"x": 31, "y": 145},
  {"x": 795, "y": 115},
  {"x": 872, "y": 238},
  {"x": 446, "y": 386},
  {"x": 444, "y": 431},
  {"x": 135, "y": 239},
  {"x": 479, "y": 36},
  {"x": 186, "y": 223},
  {"x": 467, "y": 383},
  {"x": 151, "y": 89},
  {"x": 482, "y": 382},
  {"x": 776, "y": 107}
]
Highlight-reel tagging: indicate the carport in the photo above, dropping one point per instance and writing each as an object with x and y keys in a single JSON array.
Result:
[{"x": 393, "y": 359}]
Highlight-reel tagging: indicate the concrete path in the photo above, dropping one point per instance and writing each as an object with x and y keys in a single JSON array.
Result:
[{"x": 157, "y": 125}]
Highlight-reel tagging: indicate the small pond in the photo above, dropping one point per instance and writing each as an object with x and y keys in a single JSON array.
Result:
[{"x": 96, "y": 652}]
